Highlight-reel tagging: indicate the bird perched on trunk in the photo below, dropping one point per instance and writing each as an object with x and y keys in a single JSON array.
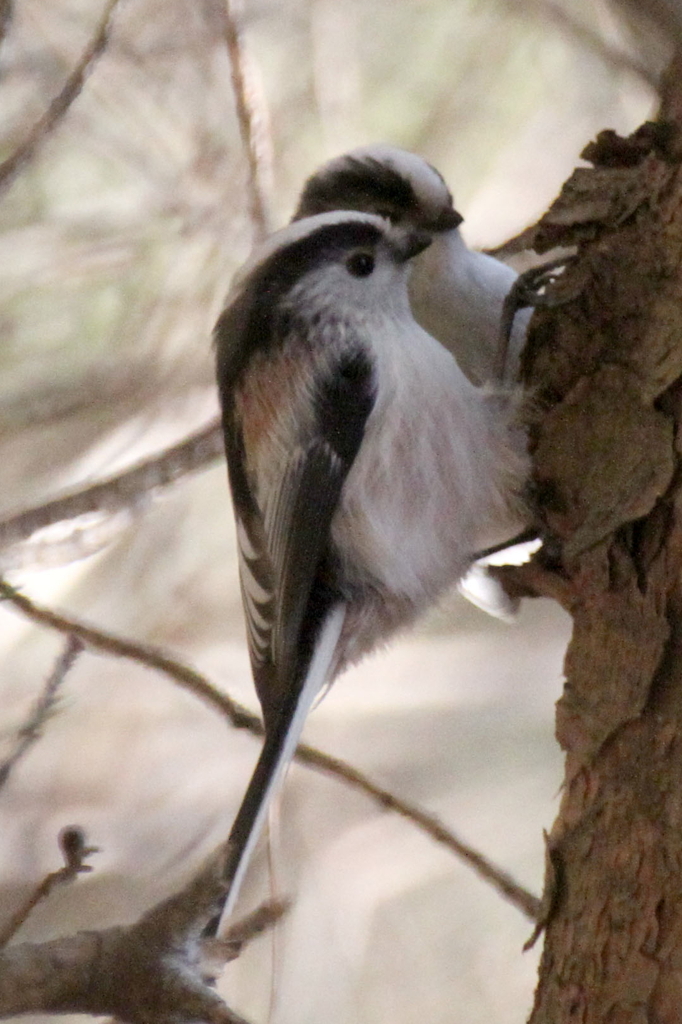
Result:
[
  {"x": 366, "y": 470},
  {"x": 456, "y": 294},
  {"x": 461, "y": 297}
]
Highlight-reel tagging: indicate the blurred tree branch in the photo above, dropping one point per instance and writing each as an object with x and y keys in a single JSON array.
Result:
[
  {"x": 44, "y": 707},
  {"x": 59, "y": 107},
  {"x": 252, "y": 114},
  {"x": 241, "y": 718},
  {"x": 125, "y": 492}
]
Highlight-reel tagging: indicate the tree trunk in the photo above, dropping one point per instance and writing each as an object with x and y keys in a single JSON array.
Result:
[{"x": 606, "y": 368}]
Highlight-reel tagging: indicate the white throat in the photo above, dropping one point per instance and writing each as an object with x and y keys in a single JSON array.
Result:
[{"x": 457, "y": 296}]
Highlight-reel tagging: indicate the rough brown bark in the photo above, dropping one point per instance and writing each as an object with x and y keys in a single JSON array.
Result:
[{"x": 606, "y": 369}]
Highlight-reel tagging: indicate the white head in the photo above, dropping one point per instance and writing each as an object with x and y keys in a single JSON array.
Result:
[
  {"x": 382, "y": 180},
  {"x": 324, "y": 271}
]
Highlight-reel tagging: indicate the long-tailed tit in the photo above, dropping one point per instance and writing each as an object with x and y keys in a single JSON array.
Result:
[
  {"x": 456, "y": 294},
  {"x": 366, "y": 470}
]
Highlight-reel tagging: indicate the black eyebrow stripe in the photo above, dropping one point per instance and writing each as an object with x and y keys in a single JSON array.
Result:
[
  {"x": 359, "y": 182},
  {"x": 247, "y": 324},
  {"x": 442, "y": 179}
]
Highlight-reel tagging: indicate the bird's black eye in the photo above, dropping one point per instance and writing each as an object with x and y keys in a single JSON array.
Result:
[{"x": 360, "y": 264}]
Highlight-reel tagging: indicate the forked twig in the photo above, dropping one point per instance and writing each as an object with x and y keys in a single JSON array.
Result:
[
  {"x": 72, "y": 844},
  {"x": 150, "y": 972}
]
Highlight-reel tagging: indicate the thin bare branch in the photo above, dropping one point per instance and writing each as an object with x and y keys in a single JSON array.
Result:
[
  {"x": 60, "y": 105},
  {"x": 241, "y": 718},
  {"x": 499, "y": 879},
  {"x": 145, "y": 654},
  {"x": 43, "y": 708},
  {"x": 123, "y": 492},
  {"x": 252, "y": 115},
  {"x": 73, "y": 846}
]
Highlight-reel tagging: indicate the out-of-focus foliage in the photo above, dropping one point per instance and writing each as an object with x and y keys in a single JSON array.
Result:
[{"x": 117, "y": 243}]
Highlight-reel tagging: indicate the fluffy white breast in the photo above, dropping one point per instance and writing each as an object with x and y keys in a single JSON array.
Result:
[
  {"x": 436, "y": 477},
  {"x": 457, "y": 296}
]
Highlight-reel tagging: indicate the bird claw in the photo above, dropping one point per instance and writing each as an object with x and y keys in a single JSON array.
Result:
[
  {"x": 530, "y": 287},
  {"x": 533, "y": 288}
]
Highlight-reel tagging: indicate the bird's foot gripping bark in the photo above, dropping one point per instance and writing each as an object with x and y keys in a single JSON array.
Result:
[{"x": 534, "y": 287}]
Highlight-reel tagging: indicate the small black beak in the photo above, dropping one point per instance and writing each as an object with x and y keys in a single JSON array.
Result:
[
  {"x": 445, "y": 221},
  {"x": 410, "y": 244}
]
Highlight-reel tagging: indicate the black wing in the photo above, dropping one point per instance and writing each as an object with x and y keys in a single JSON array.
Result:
[{"x": 284, "y": 536}]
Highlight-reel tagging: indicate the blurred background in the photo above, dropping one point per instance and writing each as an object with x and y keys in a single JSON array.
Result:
[{"x": 118, "y": 239}]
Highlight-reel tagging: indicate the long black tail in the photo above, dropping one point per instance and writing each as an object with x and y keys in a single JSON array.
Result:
[{"x": 278, "y": 750}]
